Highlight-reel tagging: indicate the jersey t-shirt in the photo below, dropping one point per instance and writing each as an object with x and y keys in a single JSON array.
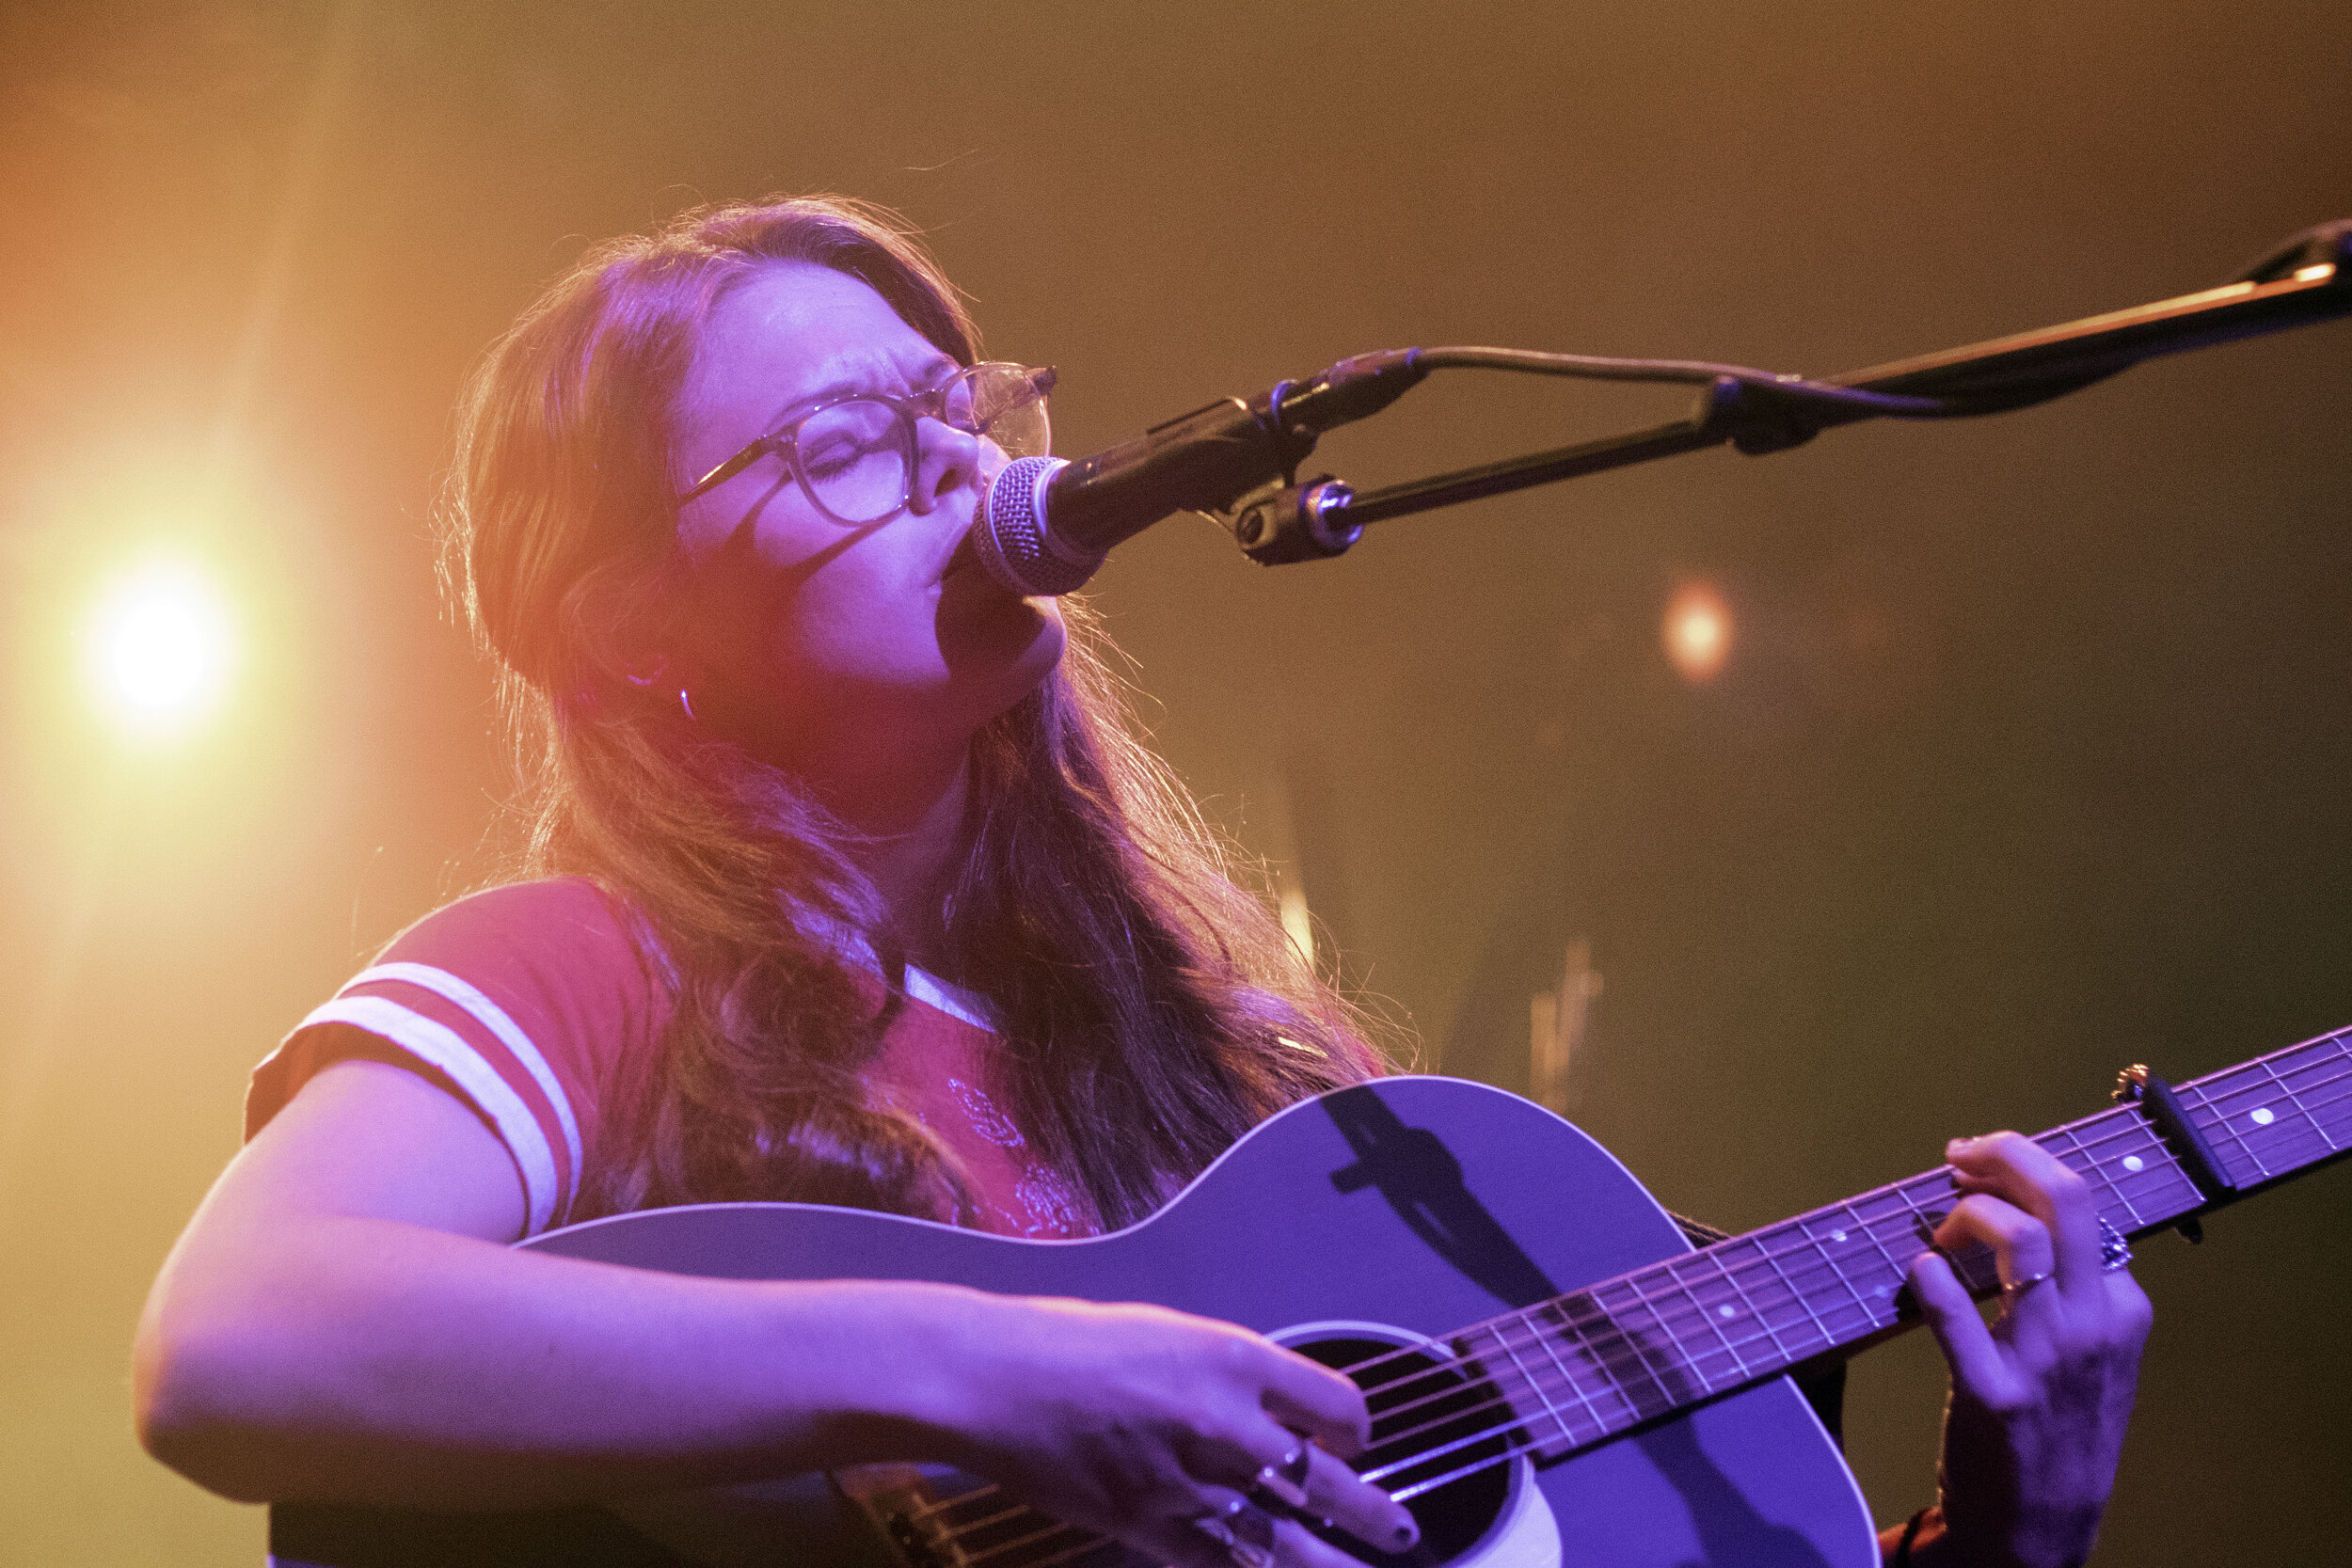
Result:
[{"x": 537, "y": 1006}]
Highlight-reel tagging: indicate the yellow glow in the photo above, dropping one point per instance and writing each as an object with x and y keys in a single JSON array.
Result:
[
  {"x": 1296, "y": 924},
  {"x": 1697, "y": 631},
  {"x": 2314, "y": 273},
  {"x": 160, "y": 648}
]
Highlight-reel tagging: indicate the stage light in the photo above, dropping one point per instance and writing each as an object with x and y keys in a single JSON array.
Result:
[
  {"x": 1697, "y": 631},
  {"x": 159, "y": 647}
]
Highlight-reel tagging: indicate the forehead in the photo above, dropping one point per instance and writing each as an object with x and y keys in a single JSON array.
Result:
[{"x": 793, "y": 330}]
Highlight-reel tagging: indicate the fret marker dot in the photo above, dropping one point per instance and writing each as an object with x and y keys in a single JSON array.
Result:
[
  {"x": 1836, "y": 1235},
  {"x": 2262, "y": 1116},
  {"x": 2133, "y": 1162},
  {"x": 1727, "y": 1311}
]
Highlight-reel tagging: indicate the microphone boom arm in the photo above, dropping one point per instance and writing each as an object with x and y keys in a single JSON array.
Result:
[{"x": 2307, "y": 279}]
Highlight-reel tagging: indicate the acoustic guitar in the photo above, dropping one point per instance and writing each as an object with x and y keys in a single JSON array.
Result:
[{"x": 1556, "y": 1375}]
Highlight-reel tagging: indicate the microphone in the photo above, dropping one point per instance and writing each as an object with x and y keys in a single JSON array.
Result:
[{"x": 1043, "y": 524}]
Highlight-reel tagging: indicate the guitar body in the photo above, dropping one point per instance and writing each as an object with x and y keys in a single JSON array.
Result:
[{"x": 1395, "y": 1212}]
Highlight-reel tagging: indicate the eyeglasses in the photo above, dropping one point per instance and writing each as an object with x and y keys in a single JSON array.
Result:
[{"x": 855, "y": 457}]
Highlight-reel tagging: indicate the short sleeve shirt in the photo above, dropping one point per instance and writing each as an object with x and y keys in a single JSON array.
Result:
[{"x": 537, "y": 1006}]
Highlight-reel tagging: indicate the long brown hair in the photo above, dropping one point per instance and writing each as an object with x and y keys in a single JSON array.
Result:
[{"x": 1151, "y": 1009}]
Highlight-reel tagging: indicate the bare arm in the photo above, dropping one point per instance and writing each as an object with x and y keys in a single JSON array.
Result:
[
  {"x": 337, "y": 1323},
  {"x": 344, "y": 1320}
]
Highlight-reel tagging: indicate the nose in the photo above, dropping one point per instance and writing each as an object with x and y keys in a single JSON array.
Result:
[{"x": 947, "y": 460}]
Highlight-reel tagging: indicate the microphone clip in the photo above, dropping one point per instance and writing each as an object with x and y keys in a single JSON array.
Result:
[{"x": 1278, "y": 523}]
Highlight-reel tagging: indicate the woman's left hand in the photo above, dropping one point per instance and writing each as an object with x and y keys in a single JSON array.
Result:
[{"x": 2041, "y": 1399}]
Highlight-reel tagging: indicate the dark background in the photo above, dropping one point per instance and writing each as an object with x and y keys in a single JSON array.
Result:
[{"x": 2029, "y": 759}]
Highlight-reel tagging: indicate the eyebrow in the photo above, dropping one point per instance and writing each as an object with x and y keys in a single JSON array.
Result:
[{"x": 936, "y": 372}]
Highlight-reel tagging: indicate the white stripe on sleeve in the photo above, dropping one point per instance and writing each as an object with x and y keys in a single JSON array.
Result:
[
  {"x": 464, "y": 993},
  {"x": 435, "y": 1042},
  {"x": 957, "y": 1003}
]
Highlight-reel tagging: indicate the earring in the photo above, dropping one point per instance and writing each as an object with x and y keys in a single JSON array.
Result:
[{"x": 688, "y": 703}]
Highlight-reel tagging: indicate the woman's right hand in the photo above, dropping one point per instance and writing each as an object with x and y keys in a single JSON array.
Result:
[{"x": 1138, "y": 1421}]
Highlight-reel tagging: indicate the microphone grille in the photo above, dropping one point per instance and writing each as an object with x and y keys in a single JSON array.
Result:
[{"x": 1014, "y": 544}]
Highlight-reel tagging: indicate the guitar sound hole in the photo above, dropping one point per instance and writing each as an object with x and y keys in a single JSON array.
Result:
[{"x": 1418, "y": 1405}]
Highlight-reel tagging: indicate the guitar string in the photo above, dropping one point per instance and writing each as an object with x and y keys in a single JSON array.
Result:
[
  {"x": 1686, "y": 1307},
  {"x": 1513, "y": 1446},
  {"x": 2124, "y": 1127},
  {"x": 2127, "y": 1129},
  {"x": 1492, "y": 1433},
  {"x": 2288, "y": 1132},
  {"x": 1618, "y": 1356},
  {"x": 2134, "y": 1130},
  {"x": 1728, "y": 1264}
]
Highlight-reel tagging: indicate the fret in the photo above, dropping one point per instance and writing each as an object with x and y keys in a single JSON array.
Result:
[
  {"x": 1819, "y": 1328},
  {"x": 1677, "y": 1303},
  {"x": 1676, "y": 1362},
  {"x": 1615, "y": 1355},
  {"x": 2140, "y": 1180},
  {"x": 1881, "y": 1198},
  {"x": 2110, "y": 1169},
  {"x": 1568, "y": 1377},
  {"x": 2259, "y": 1116},
  {"x": 1678, "y": 1307},
  {"x": 1711, "y": 1322},
  {"x": 1805, "y": 1266},
  {"x": 1840, "y": 1225},
  {"x": 1727, "y": 1309},
  {"x": 1780, "y": 1308},
  {"x": 1502, "y": 1339},
  {"x": 2219, "y": 1129}
]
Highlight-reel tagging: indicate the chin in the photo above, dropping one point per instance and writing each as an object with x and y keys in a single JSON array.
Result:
[{"x": 989, "y": 638}]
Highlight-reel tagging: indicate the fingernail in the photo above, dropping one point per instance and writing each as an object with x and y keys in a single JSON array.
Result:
[{"x": 1959, "y": 1145}]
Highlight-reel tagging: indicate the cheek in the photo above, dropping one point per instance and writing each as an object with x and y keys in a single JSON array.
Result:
[{"x": 856, "y": 632}]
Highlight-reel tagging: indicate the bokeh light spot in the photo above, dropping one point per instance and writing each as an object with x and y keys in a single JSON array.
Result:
[
  {"x": 159, "y": 647},
  {"x": 1697, "y": 631}
]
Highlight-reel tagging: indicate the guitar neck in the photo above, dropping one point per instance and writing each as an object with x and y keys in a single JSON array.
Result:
[{"x": 1618, "y": 1355}]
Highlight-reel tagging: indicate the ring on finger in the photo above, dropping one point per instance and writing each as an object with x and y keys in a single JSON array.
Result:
[
  {"x": 1244, "y": 1530},
  {"x": 1291, "y": 1471},
  {"x": 1243, "y": 1554},
  {"x": 2012, "y": 1289}
]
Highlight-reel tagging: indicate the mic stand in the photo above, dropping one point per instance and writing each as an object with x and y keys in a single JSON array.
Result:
[{"x": 2308, "y": 280}]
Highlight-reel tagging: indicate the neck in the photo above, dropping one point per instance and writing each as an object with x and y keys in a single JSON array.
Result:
[{"x": 907, "y": 836}]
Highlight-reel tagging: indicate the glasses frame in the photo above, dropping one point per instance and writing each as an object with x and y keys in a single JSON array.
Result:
[{"x": 784, "y": 441}]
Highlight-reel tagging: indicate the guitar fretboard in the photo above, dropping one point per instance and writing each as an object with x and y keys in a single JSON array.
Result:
[{"x": 1599, "y": 1361}]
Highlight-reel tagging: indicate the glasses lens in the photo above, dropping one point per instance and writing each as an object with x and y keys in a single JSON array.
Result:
[
  {"x": 854, "y": 457},
  {"x": 1002, "y": 402}
]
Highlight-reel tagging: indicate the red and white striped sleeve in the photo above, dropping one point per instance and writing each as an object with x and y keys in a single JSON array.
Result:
[{"x": 531, "y": 1003}]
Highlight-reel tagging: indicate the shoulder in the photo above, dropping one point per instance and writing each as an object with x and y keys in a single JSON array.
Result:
[
  {"x": 533, "y": 1003},
  {"x": 562, "y": 956},
  {"x": 556, "y": 920}
]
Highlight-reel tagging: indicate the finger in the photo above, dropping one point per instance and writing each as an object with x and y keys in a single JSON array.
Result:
[
  {"x": 1366, "y": 1512},
  {"x": 2020, "y": 1243},
  {"x": 1183, "y": 1543},
  {"x": 1296, "y": 1543},
  {"x": 1330, "y": 1489},
  {"x": 1968, "y": 1346},
  {"x": 1310, "y": 1398},
  {"x": 1284, "y": 1476},
  {"x": 2017, "y": 1169}
]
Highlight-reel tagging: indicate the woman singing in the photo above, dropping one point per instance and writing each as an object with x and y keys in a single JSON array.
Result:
[{"x": 848, "y": 885}]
